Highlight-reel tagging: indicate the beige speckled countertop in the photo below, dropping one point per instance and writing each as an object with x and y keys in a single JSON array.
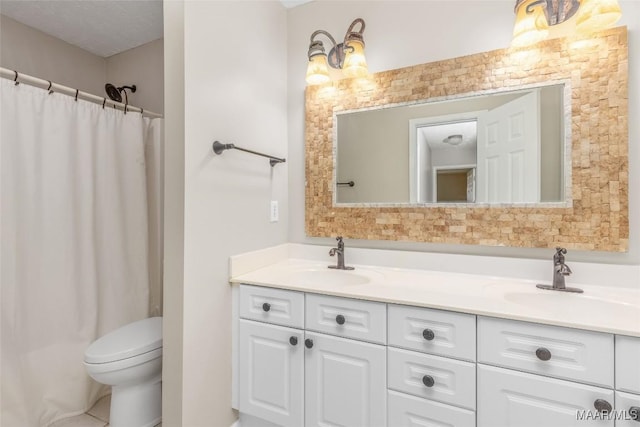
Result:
[{"x": 599, "y": 308}]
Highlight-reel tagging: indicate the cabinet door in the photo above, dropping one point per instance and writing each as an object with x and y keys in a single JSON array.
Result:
[
  {"x": 627, "y": 409},
  {"x": 628, "y": 364},
  {"x": 272, "y": 373},
  {"x": 509, "y": 398},
  {"x": 345, "y": 382}
]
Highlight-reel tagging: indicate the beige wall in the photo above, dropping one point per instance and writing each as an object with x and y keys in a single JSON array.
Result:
[
  {"x": 173, "y": 284},
  {"x": 398, "y": 35},
  {"x": 235, "y": 78},
  {"x": 33, "y": 52},
  {"x": 144, "y": 67}
]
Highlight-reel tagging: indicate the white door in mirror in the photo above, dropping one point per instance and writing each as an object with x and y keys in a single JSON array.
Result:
[{"x": 509, "y": 153}]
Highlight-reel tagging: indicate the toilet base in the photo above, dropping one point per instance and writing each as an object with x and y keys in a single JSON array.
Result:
[{"x": 137, "y": 405}]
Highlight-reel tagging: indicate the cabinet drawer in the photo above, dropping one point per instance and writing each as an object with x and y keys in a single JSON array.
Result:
[
  {"x": 411, "y": 411},
  {"x": 432, "y": 377},
  {"x": 628, "y": 364},
  {"x": 363, "y": 320},
  {"x": 548, "y": 350},
  {"x": 277, "y": 306},
  {"x": 433, "y": 331},
  {"x": 510, "y": 398},
  {"x": 628, "y": 409}
]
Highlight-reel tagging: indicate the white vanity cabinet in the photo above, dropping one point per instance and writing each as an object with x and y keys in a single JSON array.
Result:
[
  {"x": 431, "y": 367},
  {"x": 508, "y": 398},
  {"x": 345, "y": 362},
  {"x": 628, "y": 381},
  {"x": 294, "y": 377},
  {"x": 345, "y": 382},
  {"x": 271, "y": 373},
  {"x": 306, "y": 360},
  {"x": 567, "y": 372}
]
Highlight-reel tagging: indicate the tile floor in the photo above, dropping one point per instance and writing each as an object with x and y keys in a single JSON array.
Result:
[{"x": 98, "y": 416}]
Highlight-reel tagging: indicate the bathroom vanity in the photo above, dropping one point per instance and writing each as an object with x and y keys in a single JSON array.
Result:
[{"x": 393, "y": 347}]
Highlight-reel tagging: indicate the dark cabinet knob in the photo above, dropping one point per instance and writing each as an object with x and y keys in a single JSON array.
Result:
[
  {"x": 543, "y": 354},
  {"x": 634, "y": 413},
  {"x": 340, "y": 319},
  {"x": 308, "y": 343},
  {"x": 266, "y": 306},
  {"x": 602, "y": 405},
  {"x": 293, "y": 340},
  {"x": 428, "y": 334},
  {"x": 428, "y": 380}
]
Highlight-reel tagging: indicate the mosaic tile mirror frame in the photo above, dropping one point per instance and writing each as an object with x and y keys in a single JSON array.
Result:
[{"x": 594, "y": 215}]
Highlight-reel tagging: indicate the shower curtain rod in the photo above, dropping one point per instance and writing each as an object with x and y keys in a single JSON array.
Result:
[{"x": 19, "y": 77}]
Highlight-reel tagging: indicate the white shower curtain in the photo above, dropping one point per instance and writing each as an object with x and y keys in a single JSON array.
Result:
[{"x": 74, "y": 253}]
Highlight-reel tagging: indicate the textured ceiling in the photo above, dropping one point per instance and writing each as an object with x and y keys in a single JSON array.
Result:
[{"x": 103, "y": 28}]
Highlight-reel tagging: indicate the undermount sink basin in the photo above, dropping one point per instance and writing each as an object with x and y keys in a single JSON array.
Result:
[
  {"x": 561, "y": 302},
  {"x": 328, "y": 276}
]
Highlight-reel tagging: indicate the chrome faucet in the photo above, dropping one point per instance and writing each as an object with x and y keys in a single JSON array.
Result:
[
  {"x": 340, "y": 252},
  {"x": 560, "y": 270}
]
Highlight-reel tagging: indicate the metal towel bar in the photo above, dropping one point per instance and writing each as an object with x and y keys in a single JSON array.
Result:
[{"x": 219, "y": 147}]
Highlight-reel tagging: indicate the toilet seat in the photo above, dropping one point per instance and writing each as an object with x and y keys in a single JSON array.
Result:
[
  {"x": 141, "y": 338},
  {"x": 117, "y": 365}
]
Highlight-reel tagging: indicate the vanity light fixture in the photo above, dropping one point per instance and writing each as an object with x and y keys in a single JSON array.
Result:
[
  {"x": 347, "y": 56},
  {"x": 535, "y": 18}
]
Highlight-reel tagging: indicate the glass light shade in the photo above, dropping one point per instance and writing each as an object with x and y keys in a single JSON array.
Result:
[
  {"x": 530, "y": 28},
  {"x": 595, "y": 15},
  {"x": 318, "y": 70},
  {"x": 355, "y": 64}
]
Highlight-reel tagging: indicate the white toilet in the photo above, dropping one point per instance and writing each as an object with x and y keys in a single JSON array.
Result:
[{"x": 129, "y": 359}]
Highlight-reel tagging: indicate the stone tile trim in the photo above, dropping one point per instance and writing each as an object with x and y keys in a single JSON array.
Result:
[{"x": 598, "y": 218}]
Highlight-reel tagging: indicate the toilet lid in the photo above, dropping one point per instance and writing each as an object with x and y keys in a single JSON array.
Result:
[{"x": 128, "y": 341}]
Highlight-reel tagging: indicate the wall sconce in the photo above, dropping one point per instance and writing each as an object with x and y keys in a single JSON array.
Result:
[
  {"x": 534, "y": 18},
  {"x": 347, "y": 56}
]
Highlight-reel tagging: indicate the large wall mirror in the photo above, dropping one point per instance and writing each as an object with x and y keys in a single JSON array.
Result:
[
  {"x": 514, "y": 147},
  {"x": 500, "y": 147}
]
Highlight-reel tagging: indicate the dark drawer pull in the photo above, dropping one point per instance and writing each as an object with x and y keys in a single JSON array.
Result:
[
  {"x": 602, "y": 405},
  {"x": 293, "y": 340},
  {"x": 634, "y": 413},
  {"x": 428, "y": 334},
  {"x": 266, "y": 306},
  {"x": 308, "y": 343},
  {"x": 543, "y": 354},
  {"x": 428, "y": 381},
  {"x": 340, "y": 319}
]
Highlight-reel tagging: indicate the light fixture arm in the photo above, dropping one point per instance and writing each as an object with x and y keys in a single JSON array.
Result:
[
  {"x": 316, "y": 47},
  {"x": 556, "y": 11},
  {"x": 355, "y": 35},
  {"x": 336, "y": 55}
]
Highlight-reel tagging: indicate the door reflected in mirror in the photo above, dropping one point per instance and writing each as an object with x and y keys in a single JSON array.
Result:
[{"x": 498, "y": 148}]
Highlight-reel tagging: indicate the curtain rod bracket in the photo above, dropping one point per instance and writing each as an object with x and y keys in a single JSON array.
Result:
[{"x": 219, "y": 147}]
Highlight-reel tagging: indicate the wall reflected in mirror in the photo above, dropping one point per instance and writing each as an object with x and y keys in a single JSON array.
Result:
[{"x": 497, "y": 148}]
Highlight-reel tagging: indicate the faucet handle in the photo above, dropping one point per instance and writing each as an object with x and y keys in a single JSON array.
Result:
[{"x": 558, "y": 257}]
